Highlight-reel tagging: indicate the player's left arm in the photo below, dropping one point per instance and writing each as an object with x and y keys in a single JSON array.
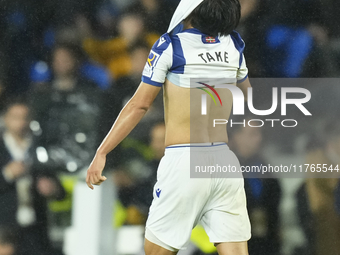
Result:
[
  {"x": 128, "y": 118},
  {"x": 242, "y": 78},
  {"x": 244, "y": 85}
]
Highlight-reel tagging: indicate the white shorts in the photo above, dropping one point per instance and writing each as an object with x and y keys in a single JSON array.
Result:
[{"x": 181, "y": 202}]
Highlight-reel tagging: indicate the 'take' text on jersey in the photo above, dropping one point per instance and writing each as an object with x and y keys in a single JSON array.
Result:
[{"x": 217, "y": 57}]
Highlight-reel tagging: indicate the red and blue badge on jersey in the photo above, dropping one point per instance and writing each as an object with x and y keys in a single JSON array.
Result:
[{"x": 210, "y": 39}]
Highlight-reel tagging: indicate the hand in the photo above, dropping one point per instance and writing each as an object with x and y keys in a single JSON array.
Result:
[
  {"x": 15, "y": 169},
  {"x": 94, "y": 173},
  {"x": 46, "y": 187}
]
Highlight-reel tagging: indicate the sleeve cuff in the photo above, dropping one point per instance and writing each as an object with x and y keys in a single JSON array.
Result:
[
  {"x": 242, "y": 80},
  {"x": 151, "y": 82}
]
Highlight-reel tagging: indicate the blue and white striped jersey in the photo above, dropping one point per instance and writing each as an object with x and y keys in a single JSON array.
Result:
[{"x": 192, "y": 54}]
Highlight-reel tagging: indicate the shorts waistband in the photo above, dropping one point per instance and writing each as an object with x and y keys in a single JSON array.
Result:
[{"x": 199, "y": 145}]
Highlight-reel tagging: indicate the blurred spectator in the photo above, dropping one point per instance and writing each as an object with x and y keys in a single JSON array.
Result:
[
  {"x": 16, "y": 42},
  {"x": 292, "y": 39},
  {"x": 250, "y": 25},
  {"x": 106, "y": 16},
  {"x": 97, "y": 74},
  {"x": 114, "y": 53},
  {"x": 87, "y": 70},
  {"x": 66, "y": 60},
  {"x": 157, "y": 141},
  {"x": 24, "y": 185},
  {"x": 126, "y": 86},
  {"x": 130, "y": 178},
  {"x": 284, "y": 38},
  {"x": 329, "y": 15},
  {"x": 66, "y": 112},
  {"x": 263, "y": 195},
  {"x": 120, "y": 93},
  {"x": 321, "y": 188},
  {"x": 157, "y": 14},
  {"x": 28, "y": 30},
  {"x": 136, "y": 179},
  {"x": 64, "y": 13},
  {"x": 306, "y": 221},
  {"x": 7, "y": 243},
  {"x": 64, "y": 65},
  {"x": 157, "y": 145},
  {"x": 331, "y": 49},
  {"x": 289, "y": 32}
]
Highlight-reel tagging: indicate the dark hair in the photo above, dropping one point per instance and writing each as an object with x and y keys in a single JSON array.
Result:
[
  {"x": 74, "y": 50},
  {"x": 212, "y": 17}
]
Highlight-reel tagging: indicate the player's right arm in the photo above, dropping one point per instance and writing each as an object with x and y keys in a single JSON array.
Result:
[
  {"x": 156, "y": 68},
  {"x": 128, "y": 118}
]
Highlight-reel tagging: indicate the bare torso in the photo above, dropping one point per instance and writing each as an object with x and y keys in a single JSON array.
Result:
[{"x": 184, "y": 121}]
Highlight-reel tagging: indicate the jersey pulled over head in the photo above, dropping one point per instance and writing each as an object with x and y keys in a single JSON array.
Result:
[
  {"x": 213, "y": 17},
  {"x": 209, "y": 16},
  {"x": 209, "y": 48}
]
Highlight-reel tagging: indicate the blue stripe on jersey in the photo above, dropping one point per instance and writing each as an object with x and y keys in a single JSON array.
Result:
[
  {"x": 239, "y": 44},
  {"x": 177, "y": 29},
  {"x": 189, "y": 145},
  {"x": 179, "y": 61},
  {"x": 151, "y": 82},
  {"x": 162, "y": 44}
]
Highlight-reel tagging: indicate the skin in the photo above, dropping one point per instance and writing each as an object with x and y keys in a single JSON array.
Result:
[
  {"x": 64, "y": 67},
  {"x": 130, "y": 28},
  {"x": 16, "y": 123},
  {"x": 184, "y": 124},
  {"x": 7, "y": 249},
  {"x": 63, "y": 63},
  {"x": 177, "y": 121}
]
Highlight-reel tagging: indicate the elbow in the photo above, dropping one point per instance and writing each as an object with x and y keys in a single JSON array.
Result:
[
  {"x": 143, "y": 107},
  {"x": 140, "y": 106}
]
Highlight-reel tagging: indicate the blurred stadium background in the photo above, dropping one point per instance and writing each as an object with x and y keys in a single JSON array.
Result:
[{"x": 66, "y": 69}]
